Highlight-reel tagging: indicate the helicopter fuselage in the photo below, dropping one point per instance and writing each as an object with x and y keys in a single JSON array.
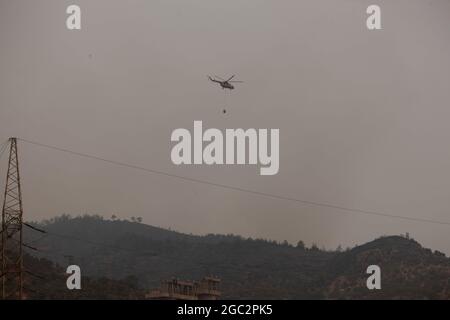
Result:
[{"x": 226, "y": 85}]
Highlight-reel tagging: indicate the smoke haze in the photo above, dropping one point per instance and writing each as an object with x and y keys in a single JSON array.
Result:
[{"x": 363, "y": 115}]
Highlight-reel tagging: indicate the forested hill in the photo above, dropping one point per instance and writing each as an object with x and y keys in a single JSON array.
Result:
[
  {"x": 248, "y": 268},
  {"x": 48, "y": 281}
]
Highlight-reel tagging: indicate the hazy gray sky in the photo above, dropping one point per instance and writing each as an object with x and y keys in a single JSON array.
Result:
[{"x": 363, "y": 115}]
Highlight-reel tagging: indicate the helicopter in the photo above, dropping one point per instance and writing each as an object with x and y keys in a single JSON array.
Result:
[{"x": 225, "y": 84}]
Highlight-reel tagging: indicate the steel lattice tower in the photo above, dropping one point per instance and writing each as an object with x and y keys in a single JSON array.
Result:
[{"x": 11, "y": 233}]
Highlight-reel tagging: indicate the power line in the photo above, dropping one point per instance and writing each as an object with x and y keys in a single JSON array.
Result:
[
  {"x": 235, "y": 188},
  {"x": 38, "y": 239},
  {"x": 35, "y": 275},
  {"x": 33, "y": 227},
  {"x": 3, "y": 147}
]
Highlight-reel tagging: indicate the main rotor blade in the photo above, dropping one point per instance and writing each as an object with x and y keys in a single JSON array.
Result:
[
  {"x": 219, "y": 78},
  {"x": 231, "y": 78},
  {"x": 236, "y": 81}
]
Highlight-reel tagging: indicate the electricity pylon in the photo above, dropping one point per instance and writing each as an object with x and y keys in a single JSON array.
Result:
[{"x": 11, "y": 233}]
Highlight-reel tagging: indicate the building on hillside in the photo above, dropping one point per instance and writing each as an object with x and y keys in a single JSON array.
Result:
[{"x": 205, "y": 289}]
